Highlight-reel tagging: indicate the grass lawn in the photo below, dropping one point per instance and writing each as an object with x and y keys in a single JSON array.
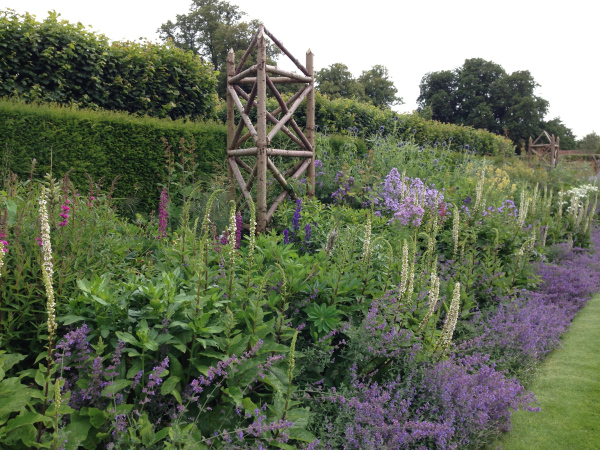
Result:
[{"x": 568, "y": 389}]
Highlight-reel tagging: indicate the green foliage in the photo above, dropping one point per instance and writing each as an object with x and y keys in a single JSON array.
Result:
[
  {"x": 342, "y": 115},
  {"x": 211, "y": 29},
  {"x": 560, "y": 130},
  {"x": 336, "y": 81},
  {"x": 59, "y": 62},
  {"x": 373, "y": 86},
  {"x": 379, "y": 89},
  {"x": 105, "y": 145},
  {"x": 483, "y": 95},
  {"x": 590, "y": 142}
]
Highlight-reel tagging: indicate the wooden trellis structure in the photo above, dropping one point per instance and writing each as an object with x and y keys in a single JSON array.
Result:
[
  {"x": 261, "y": 76},
  {"x": 546, "y": 151}
]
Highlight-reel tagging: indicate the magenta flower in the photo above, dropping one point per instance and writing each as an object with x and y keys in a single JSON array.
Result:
[{"x": 163, "y": 214}]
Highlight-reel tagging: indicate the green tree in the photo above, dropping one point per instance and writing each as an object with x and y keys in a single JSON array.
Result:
[
  {"x": 336, "y": 81},
  {"x": 483, "y": 95},
  {"x": 559, "y": 129},
  {"x": 379, "y": 88},
  {"x": 373, "y": 86},
  {"x": 590, "y": 142},
  {"x": 210, "y": 29}
]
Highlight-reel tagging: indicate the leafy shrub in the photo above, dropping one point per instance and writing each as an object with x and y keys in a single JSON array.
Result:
[{"x": 55, "y": 61}]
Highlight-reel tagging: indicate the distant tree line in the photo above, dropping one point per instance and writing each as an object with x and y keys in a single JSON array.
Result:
[
  {"x": 483, "y": 95},
  {"x": 61, "y": 62}
]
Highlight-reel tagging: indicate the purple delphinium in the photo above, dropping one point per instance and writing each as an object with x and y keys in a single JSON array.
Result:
[
  {"x": 296, "y": 218},
  {"x": 306, "y": 241},
  {"x": 408, "y": 199},
  {"x": 163, "y": 214},
  {"x": 286, "y": 236}
]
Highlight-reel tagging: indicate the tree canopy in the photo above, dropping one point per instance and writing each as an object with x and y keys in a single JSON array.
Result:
[
  {"x": 210, "y": 29},
  {"x": 372, "y": 86},
  {"x": 558, "y": 128},
  {"x": 590, "y": 142},
  {"x": 483, "y": 95}
]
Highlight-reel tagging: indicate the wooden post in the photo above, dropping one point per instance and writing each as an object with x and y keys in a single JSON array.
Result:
[
  {"x": 310, "y": 122},
  {"x": 261, "y": 128},
  {"x": 556, "y": 151},
  {"x": 552, "y": 151},
  {"x": 260, "y": 153},
  {"x": 230, "y": 122}
]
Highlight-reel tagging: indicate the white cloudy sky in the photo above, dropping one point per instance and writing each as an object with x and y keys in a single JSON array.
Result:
[{"x": 556, "y": 41}]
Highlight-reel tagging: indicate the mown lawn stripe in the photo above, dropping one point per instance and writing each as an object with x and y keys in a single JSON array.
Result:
[{"x": 568, "y": 389}]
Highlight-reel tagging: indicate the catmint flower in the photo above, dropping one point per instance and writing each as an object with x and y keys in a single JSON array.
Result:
[
  {"x": 154, "y": 380},
  {"x": 163, "y": 214},
  {"x": 137, "y": 378},
  {"x": 119, "y": 424}
]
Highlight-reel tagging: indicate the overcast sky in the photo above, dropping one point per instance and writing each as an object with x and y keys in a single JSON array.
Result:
[{"x": 556, "y": 41}]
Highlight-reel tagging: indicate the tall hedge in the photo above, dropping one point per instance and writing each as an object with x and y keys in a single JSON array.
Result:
[
  {"x": 60, "y": 62},
  {"x": 341, "y": 115},
  {"x": 103, "y": 144}
]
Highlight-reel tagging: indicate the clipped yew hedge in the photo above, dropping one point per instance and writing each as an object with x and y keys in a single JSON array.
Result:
[
  {"x": 344, "y": 116},
  {"x": 103, "y": 144}
]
